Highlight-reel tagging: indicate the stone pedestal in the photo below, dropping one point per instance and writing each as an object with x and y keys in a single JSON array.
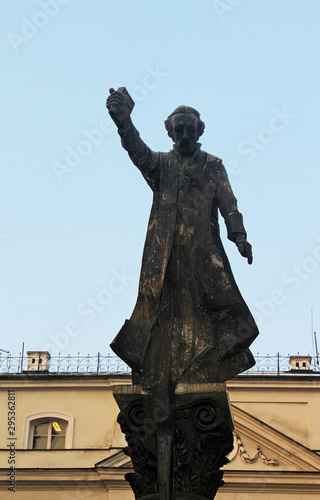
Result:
[{"x": 177, "y": 444}]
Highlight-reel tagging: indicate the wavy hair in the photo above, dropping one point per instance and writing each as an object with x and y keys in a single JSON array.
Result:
[{"x": 186, "y": 110}]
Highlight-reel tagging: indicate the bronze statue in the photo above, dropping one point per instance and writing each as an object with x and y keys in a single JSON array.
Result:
[{"x": 190, "y": 324}]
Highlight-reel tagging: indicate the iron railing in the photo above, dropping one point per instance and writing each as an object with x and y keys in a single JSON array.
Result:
[
  {"x": 277, "y": 363},
  {"x": 68, "y": 364},
  {"x": 98, "y": 363}
]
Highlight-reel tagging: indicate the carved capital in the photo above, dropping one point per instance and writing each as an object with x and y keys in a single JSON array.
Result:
[{"x": 201, "y": 439}]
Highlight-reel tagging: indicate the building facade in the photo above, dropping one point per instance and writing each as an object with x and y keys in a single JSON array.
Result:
[{"x": 60, "y": 439}]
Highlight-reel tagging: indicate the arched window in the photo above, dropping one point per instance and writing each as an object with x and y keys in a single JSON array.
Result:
[
  {"x": 49, "y": 435},
  {"x": 48, "y": 431}
]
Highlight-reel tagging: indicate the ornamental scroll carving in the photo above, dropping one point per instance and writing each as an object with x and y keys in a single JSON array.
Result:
[{"x": 202, "y": 440}]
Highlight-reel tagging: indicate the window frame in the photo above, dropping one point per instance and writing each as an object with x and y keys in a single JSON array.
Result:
[
  {"x": 49, "y": 434},
  {"x": 37, "y": 418}
]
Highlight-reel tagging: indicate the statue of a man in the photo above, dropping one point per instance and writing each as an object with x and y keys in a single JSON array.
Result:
[{"x": 190, "y": 323}]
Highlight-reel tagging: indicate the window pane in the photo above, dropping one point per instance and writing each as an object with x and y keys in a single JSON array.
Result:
[
  {"x": 58, "y": 442},
  {"x": 58, "y": 429},
  {"x": 58, "y": 435},
  {"x": 41, "y": 429},
  {"x": 55, "y": 430},
  {"x": 40, "y": 443}
]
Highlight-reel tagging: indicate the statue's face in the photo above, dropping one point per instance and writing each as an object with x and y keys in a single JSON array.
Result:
[{"x": 185, "y": 133}]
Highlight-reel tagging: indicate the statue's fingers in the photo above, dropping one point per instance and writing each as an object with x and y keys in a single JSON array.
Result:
[
  {"x": 112, "y": 102},
  {"x": 242, "y": 249},
  {"x": 117, "y": 93},
  {"x": 248, "y": 253},
  {"x": 116, "y": 97}
]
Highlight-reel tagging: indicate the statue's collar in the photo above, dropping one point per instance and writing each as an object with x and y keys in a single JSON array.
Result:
[{"x": 196, "y": 151}]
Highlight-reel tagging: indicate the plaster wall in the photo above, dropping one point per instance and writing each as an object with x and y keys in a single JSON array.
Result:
[{"x": 290, "y": 405}]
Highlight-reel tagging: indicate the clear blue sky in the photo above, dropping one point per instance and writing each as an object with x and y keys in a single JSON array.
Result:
[{"x": 74, "y": 209}]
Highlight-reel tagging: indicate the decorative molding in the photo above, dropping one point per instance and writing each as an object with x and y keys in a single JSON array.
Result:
[
  {"x": 118, "y": 459},
  {"x": 245, "y": 457},
  {"x": 289, "y": 450},
  {"x": 269, "y": 482}
]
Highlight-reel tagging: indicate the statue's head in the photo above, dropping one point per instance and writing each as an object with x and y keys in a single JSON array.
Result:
[{"x": 184, "y": 126}]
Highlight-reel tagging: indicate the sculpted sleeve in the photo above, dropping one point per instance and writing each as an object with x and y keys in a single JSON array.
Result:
[
  {"x": 141, "y": 155},
  {"x": 228, "y": 205}
]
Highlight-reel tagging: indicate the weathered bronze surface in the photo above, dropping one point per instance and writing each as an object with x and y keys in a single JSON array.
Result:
[{"x": 190, "y": 324}]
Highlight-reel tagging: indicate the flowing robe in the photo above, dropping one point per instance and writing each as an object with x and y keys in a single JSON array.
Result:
[{"x": 190, "y": 323}]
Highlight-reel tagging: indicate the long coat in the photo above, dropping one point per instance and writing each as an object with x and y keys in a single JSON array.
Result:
[{"x": 183, "y": 245}]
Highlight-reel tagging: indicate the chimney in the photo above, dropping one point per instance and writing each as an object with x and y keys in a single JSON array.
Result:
[
  {"x": 302, "y": 363},
  {"x": 38, "y": 361}
]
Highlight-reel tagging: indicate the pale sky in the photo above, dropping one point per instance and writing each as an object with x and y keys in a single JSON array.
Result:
[{"x": 74, "y": 209}]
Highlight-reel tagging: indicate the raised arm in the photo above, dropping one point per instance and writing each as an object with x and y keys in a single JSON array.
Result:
[
  {"x": 228, "y": 207},
  {"x": 147, "y": 161}
]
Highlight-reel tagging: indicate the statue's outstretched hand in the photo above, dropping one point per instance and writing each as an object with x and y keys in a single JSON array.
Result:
[
  {"x": 244, "y": 248},
  {"x": 117, "y": 107}
]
